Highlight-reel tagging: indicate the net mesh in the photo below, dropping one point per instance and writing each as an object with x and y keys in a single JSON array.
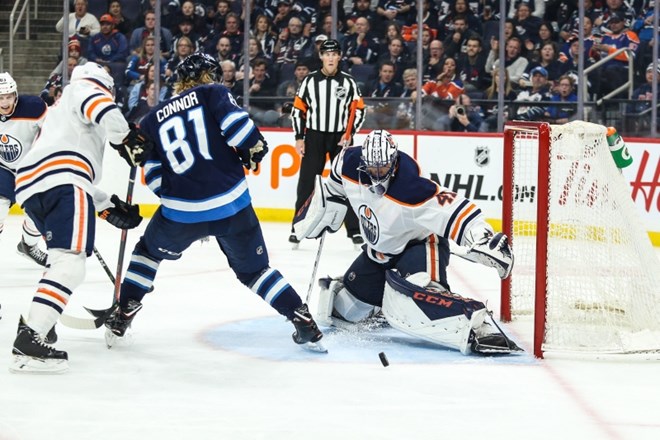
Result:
[{"x": 603, "y": 277}]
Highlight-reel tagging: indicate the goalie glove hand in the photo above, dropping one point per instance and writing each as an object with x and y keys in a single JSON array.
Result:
[
  {"x": 251, "y": 158},
  {"x": 135, "y": 147},
  {"x": 123, "y": 215}
]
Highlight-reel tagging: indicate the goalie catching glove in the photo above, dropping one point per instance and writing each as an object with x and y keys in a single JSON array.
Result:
[
  {"x": 321, "y": 211},
  {"x": 251, "y": 157},
  {"x": 123, "y": 215},
  {"x": 135, "y": 147}
]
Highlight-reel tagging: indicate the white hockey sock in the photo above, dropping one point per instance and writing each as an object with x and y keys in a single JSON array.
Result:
[
  {"x": 31, "y": 234},
  {"x": 4, "y": 211}
]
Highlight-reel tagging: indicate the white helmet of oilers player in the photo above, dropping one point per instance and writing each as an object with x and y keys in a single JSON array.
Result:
[
  {"x": 380, "y": 155},
  {"x": 8, "y": 87},
  {"x": 93, "y": 71}
]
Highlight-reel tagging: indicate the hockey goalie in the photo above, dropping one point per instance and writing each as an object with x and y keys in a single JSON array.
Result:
[{"x": 406, "y": 221}]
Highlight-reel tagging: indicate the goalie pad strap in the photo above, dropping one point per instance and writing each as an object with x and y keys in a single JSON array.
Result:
[{"x": 320, "y": 212}]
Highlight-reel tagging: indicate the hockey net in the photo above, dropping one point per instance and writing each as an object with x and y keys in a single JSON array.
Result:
[{"x": 585, "y": 269}]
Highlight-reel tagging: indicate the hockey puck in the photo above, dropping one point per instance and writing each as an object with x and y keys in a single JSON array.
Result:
[{"x": 383, "y": 359}]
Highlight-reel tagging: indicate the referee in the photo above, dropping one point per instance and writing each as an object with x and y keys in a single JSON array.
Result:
[{"x": 327, "y": 111}]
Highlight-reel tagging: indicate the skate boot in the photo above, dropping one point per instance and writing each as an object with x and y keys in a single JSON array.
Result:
[
  {"x": 307, "y": 332},
  {"x": 119, "y": 321},
  {"x": 32, "y": 252},
  {"x": 32, "y": 355},
  {"x": 51, "y": 336}
]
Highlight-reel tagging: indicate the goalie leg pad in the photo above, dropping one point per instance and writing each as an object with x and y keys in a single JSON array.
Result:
[
  {"x": 320, "y": 212},
  {"x": 431, "y": 313}
]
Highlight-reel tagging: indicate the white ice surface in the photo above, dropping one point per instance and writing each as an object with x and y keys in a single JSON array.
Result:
[{"x": 210, "y": 360}]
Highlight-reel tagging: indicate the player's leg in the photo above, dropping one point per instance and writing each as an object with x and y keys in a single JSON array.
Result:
[
  {"x": 350, "y": 221},
  {"x": 241, "y": 240},
  {"x": 67, "y": 214}
]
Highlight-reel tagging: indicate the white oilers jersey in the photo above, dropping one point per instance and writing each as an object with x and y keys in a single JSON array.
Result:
[
  {"x": 69, "y": 150},
  {"x": 413, "y": 208},
  {"x": 17, "y": 131}
]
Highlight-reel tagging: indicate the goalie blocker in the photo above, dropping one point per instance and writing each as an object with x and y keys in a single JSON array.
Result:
[{"x": 321, "y": 212}]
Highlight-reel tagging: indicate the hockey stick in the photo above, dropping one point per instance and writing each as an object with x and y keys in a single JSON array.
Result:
[
  {"x": 97, "y": 321},
  {"x": 316, "y": 266}
]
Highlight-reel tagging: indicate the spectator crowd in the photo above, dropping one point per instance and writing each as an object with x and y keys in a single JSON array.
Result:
[{"x": 460, "y": 50}]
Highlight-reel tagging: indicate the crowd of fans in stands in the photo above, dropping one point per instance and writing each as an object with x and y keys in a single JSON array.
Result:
[{"x": 460, "y": 48}]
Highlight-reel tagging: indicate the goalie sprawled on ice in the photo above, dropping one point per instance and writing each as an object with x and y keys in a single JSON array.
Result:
[{"x": 406, "y": 221}]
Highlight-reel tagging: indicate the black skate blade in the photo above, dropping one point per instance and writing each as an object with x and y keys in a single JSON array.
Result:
[{"x": 493, "y": 350}]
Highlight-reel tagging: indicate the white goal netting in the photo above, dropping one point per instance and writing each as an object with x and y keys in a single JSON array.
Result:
[{"x": 602, "y": 275}]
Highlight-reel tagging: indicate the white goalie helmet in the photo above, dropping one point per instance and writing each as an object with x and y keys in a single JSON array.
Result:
[
  {"x": 91, "y": 70},
  {"x": 380, "y": 155},
  {"x": 7, "y": 84}
]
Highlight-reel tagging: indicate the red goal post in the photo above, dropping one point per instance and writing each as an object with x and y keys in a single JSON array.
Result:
[{"x": 585, "y": 271}]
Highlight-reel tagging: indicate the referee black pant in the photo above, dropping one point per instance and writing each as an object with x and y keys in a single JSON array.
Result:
[{"x": 317, "y": 145}]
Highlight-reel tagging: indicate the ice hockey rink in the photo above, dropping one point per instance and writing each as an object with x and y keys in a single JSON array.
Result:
[{"x": 209, "y": 360}]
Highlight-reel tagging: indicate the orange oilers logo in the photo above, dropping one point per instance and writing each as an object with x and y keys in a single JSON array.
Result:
[
  {"x": 10, "y": 148},
  {"x": 368, "y": 224}
]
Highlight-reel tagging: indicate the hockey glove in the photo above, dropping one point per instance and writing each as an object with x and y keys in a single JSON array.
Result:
[
  {"x": 135, "y": 147},
  {"x": 251, "y": 158},
  {"x": 122, "y": 215}
]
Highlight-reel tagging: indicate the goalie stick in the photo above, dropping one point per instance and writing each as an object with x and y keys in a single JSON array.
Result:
[{"x": 101, "y": 315}]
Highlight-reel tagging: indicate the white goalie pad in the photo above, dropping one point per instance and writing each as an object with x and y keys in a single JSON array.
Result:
[
  {"x": 431, "y": 312},
  {"x": 321, "y": 211},
  {"x": 335, "y": 297}
]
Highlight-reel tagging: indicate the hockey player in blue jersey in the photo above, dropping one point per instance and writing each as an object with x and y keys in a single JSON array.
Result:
[
  {"x": 20, "y": 122},
  {"x": 406, "y": 221},
  {"x": 203, "y": 139}
]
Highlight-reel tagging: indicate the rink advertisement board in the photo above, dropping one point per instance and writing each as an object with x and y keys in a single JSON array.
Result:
[{"x": 467, "y": 164}]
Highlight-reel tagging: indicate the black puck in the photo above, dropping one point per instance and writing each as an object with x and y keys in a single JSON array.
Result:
[{"x": 383, "y": 359}]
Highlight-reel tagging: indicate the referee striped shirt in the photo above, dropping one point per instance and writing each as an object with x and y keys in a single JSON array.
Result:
[{"x": 330, "y": 104}]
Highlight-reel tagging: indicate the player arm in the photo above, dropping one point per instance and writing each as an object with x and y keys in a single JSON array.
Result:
[{"x": 299, "y": 111}]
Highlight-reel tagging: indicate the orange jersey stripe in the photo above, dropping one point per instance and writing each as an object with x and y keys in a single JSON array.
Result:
[
  {"x": 52, "y": 294},
  {"x": 94, "y": 104},
  {"x": 459, "y": 220},
  {"x": 300, "y": 104},
  {"x": 82, "y": 214},
  {"x": 54, "y": 164},
  {"x": 433, "y": 263}
]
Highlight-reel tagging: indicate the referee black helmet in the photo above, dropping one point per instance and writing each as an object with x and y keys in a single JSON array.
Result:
[{"x": 330, "y": 46}]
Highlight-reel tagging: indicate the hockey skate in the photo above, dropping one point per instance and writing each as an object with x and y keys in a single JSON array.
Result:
[
  {"x": 32, "y": 252},
  {"x": 494, "y": 251},
  {"x": 32, "y": 355},
  {"x": 307, "y": 332},
  {"x": 488, "y": 340},
  {"x": 119, "y": 321},
  {"x": 51, "y": 336}
]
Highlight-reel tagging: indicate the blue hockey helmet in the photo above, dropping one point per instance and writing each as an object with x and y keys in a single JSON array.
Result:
[
  {"x": 193, "y": 66},
  {"x": 380, "y": 155}
]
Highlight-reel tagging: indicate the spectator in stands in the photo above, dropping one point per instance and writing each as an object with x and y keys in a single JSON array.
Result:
[
  {"x": 641, "y": 109},
  {"x": 490, "y": 109},
  {"x": 264, "y": 34},
  {"x": 394, "y": 10},
  {"x": 537, "y": 93},
  {"x": 82, "y": 24},
  {"x": 459, "y": 8},
  {"x": 490, "y": 22},
  {"x": 361, "y": 47},
  {"x": 314, "y": 62},
  {"x": 222, "y": 8},
  {"x": 184, "y": 47},
  {"x": 456, "y": 40},
  {"x": 571, "y": 26},
  {"x": 536, "y": 7},
  {"x": 514, "y": 62},
  {"x": 614, "y": 8},
  {"x": 429, "y": 15},
  {"x": 289, "y": 87},
  {"x": 396, "y": 55},
  {"x": 392, "y": 30},
  {"x": 428, "y": 35},
  {"x": 570, "y": 60},
  {"x": 362, "y": 8},
  {"x": 318, "y": 19},
  {"x": 144, "y": 105},
  {"x": 282, "y": 19},
  {"x": 433, "y": 65},
  {"x": 262, "y": 86},
  {"x": 527, "y": 26},
  {"x": 148, "y": 30},
  {"x": 547, "y": 34},
  {"x": 254, "y": 53},
  {"x": 122, "y": 23},
  {"x": 74, "y": 52},
  {"x": 48, "y": 94},
  {"x": 381, "y": 113},
  {"x": 109, "y": 48},
  {"x": 471, "y": 67},
  {"x": 564, "y": 102},
  {"x": 137, "y": 67},
  {"x": 643, "y": 27},
  {"x": 292, "y": 44},
  {"x": 229, "y": 77},
  {"x": 223, "y": 51},
  {"x": 187, "y": 12},
  {"x": 549, "y": 60},
  {"x": 405, "y": 115},
  {"x": 614, "y": 73},
  {"x": 141, "y": 87},
  {"x": 185, "y": 29},
  {"x": 233, "y": 33},
  {"x": 446, "y": 87}
]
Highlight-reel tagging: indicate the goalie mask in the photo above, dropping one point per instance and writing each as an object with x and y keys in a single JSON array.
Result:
[
  {"x": 379, "y": 159},
  {"x": 8, "y": 87},
  {"x": 193, "y": 67},
  {"x": 96, "y": 72}
]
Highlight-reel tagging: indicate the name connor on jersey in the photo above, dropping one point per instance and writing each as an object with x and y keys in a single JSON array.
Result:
[{"x": 182, "y": 103}]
